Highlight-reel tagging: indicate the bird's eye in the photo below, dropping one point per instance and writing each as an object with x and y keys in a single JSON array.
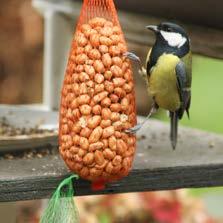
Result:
[{"x": 168, "y": 29}]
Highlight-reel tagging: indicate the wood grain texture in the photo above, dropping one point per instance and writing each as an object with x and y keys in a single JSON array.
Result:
[
  {"x": 206, "y": 34},
  {"x": 205, "y": 13},
  {"x": 197, "y": 162},
  {"x": 204, "y": 40}
]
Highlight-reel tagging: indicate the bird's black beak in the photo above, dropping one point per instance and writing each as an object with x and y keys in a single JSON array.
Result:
[{"x": 153, "y": 28}]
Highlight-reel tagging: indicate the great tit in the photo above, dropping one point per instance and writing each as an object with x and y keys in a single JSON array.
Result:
[{"x": 168, "y": 74}]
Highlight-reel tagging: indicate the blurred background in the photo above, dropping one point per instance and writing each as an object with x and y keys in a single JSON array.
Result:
[{"x": 22, "y": 82}]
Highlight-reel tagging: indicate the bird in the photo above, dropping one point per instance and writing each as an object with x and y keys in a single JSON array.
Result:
[{"x": 168, "y": 74}]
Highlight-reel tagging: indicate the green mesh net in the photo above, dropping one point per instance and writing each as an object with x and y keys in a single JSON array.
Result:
[{"x": 61, "y": 207}]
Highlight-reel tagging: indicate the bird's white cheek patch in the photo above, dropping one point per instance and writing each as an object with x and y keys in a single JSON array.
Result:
[{"x": 174, "y": 39}]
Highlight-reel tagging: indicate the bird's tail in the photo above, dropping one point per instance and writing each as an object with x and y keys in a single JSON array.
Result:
[{"x": 173, "y": 128}]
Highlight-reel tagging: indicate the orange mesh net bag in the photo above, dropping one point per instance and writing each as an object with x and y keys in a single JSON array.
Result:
[{"x": 97, "y": 98}]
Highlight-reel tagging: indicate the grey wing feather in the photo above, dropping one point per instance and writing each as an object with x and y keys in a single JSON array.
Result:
[{"x": 183, "y": 89}]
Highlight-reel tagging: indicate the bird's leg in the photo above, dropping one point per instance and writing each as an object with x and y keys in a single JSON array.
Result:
[
  {"x": 137, "y": 127},
  {"x": 135, "y": 58}
]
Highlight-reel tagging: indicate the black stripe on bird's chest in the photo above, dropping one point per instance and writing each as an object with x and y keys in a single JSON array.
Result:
[{"x": 160, "y": 48}]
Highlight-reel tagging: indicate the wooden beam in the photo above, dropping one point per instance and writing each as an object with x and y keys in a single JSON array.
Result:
[
  {"x": 188, "y": 11},
  {"x": 197, "y": 162},
  {"x": 205, "y": 40}
]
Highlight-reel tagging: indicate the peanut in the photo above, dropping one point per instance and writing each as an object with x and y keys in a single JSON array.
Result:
[
  {"x": 120, "y": 92},
  {"x": 124, "y": 104},
  {"x": 95, "y": 146},
  {"x": 107, "y": 132},
  {"x": 105, "y": 143},
  {"x": 95, "y": 172},
  {"x": 114, "y": 98},
  {"x": 103, "y": 49},
  {"x": 106, "y": 31},
  {"x": 106, "y": 102},
  {"x": 117, "y": 160},
  {"x": 85, "y": 109},
  {"x": 95, "y": 135},
  {"x": 116, "y": 30},
  {"x": 117, "y": 61},
  {"x": 84, "y": 77},
  {"x": 106, "y": 59},
  {"x": 99, "y": 88},
  {"x": 115, "y": 116},
  {"x": 109, "y": 168},
  {"x": 81, "y": 58},
  {"x": 128, "y": 87},
  {"x": 84, "y": 172},
  {"x": 94, "y": 121},
  {"x": 109, "y": 86},
  {"x": 115, "y": 39},
  {"x": 97, "y": 98},
  {"x": 96, "y": 109},
  {"x": 118, "y": 126},
  {"x": 83, "y": 99},
  {"x": 105, "y": 113},
  {"x": 81, "y": 152},
  {"x": 94, "y": 40},
  {"x": 84, "y": 144},
  {"x": 90, "y": 84},
  {"x": 112, "y": 142},
  {"x": 97, "y": 104},
  {"x": 89, "y": 70},
  {"x": 97, "y": 21},
  {"x": 114, "y": 50},
  {"x": 99, "y": 158},
  {"x": 105, "y": 41},
  {"x": 94, "y": 54},
  {"x": 87, "y": 49},
  {"x": 74, "y": 104},
  {"x": 108, "y": 75},
  {"x": 116, "y": 71},
  {"x": 82, "y": 41},
  {"x": 108, "y": 154},
  {"x": 130, "y": 151},
  {"x": 99, "y": 78},
  {"x": 121, "y": 147},
  {"x": 116, "y": 107},
  {"x": 75, "y": 114},
  {"x": 83, "y": 88},
  {"x": 118, "y": 82},
  {"x": 76, "y": 139},
  {"x": 99, "y": 66},
  {"x": 79, "y": 50},
  {"x": 88, "y": 158},
  {"x": 85, "y": 132},
  {"x": 74, "y": 149}
]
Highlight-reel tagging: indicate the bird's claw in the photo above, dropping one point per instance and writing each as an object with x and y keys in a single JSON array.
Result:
[
  {"x": 134, "y": 129},
  {"x": 132, "y": 56}
]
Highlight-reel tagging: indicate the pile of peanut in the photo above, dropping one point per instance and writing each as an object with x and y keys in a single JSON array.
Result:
[{"x": 98, "y": 104}]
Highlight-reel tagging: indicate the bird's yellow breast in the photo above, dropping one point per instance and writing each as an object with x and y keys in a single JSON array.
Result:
[{"x": 163, "y": 82}]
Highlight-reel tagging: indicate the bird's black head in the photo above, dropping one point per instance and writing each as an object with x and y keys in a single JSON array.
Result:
[
  {"x": 170, "y": 34},
  {"x": 170, "y": 38}
]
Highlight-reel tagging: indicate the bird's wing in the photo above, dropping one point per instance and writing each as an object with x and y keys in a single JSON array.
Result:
[
  {"x": 183, "y": 89},
  {"x": 147, "y": 62}
]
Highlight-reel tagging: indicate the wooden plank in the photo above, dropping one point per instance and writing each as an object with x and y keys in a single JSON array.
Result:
[
  {"x": 197, "y": 162},
  {"x": 206, "y": 34},
  {"x": 205, "y": 13},
  {"x": 205, "y": 40}
]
